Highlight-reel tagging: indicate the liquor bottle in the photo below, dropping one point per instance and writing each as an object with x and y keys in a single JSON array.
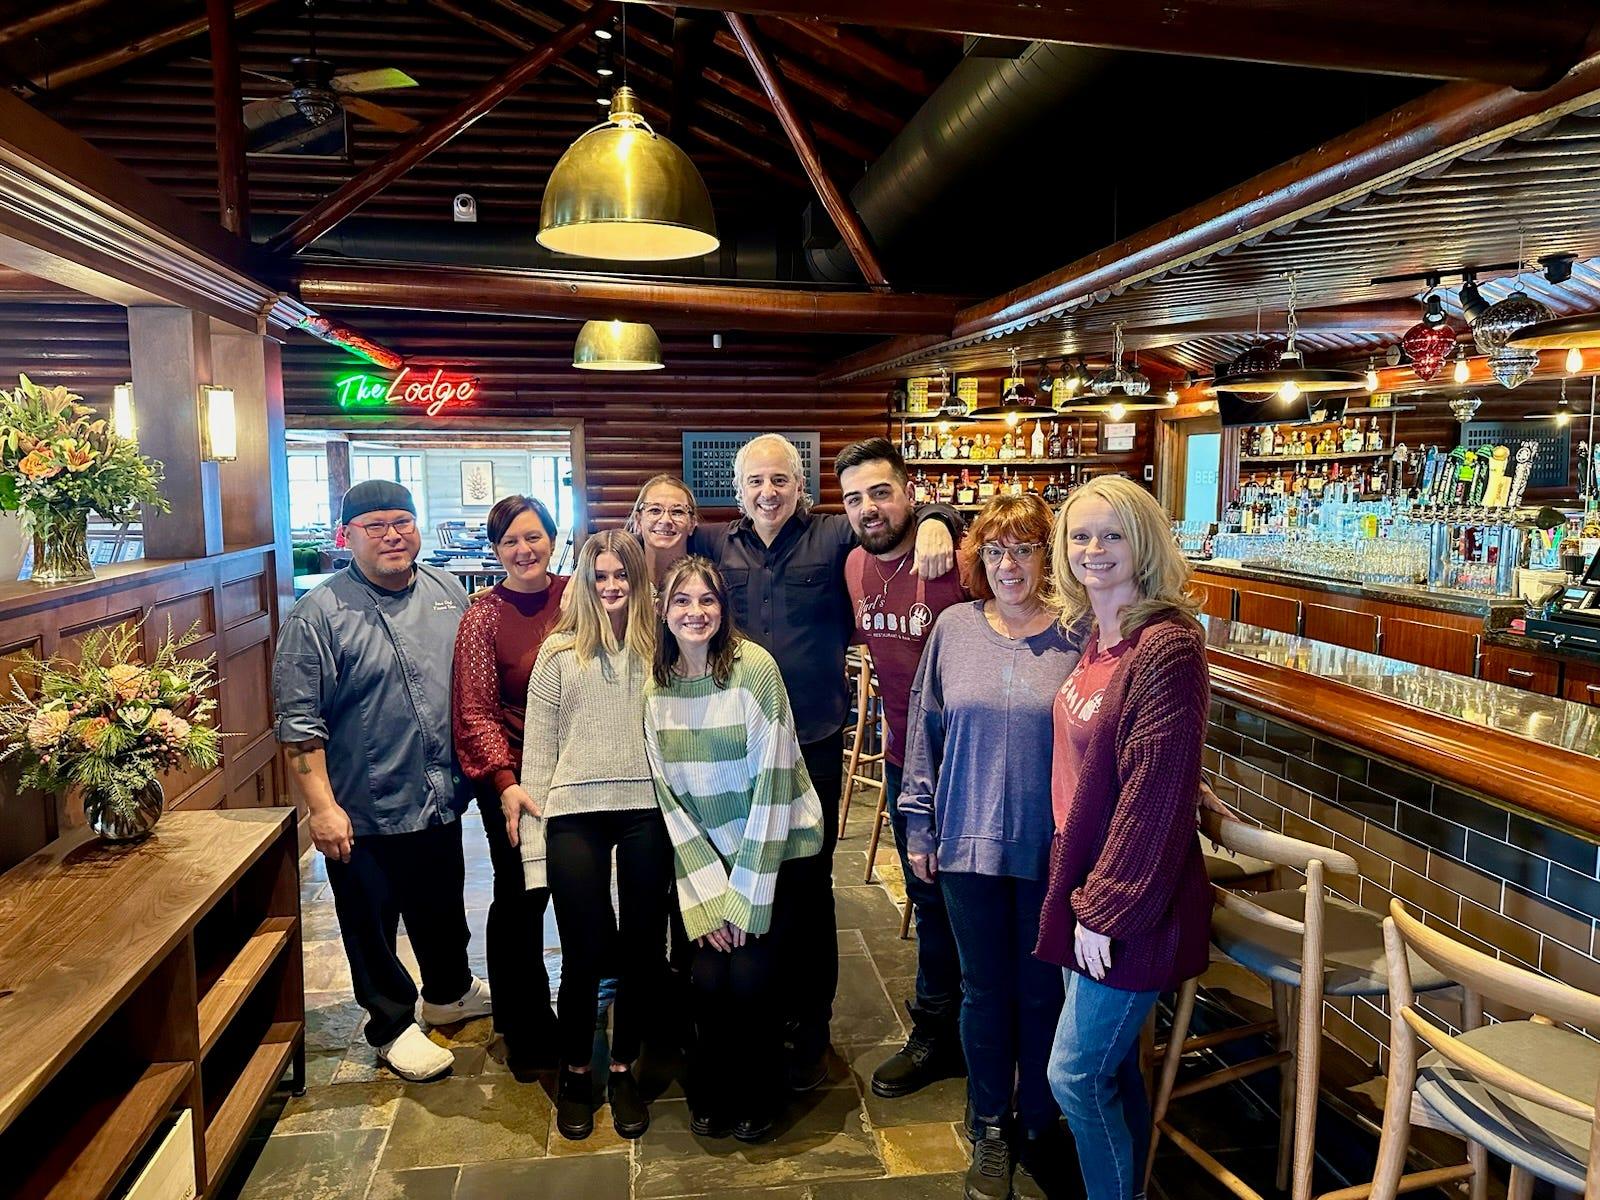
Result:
[
  {"x": 1016, "y": 483},
  {"x": 947, "y": 447},
  {"x": 985, "y": 485},
  {"x": 1031, "y": 487},
  {"x": 1036, "y": 445},
  {"x": 1008, "y": 450},
  {"x": 1378, "y": 482},
  {"x": 1052, "y": 492},
  {"x": 1374, "y": 435},
  {"x": 1352, "y": 437},
  {"x": 965, "y": 493},
  {"x": 1055, "y": 440},
  {"x": 983, "y": 450},
  {"x": 945, "y": 493},
  {"x": 921, "y": 490},
  {"x": 964, "y": 448}
]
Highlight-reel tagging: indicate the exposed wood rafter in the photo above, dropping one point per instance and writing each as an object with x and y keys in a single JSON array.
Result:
[
  {"x": 1439, "y": 39},
  {"x": 839, "y": 208},
  {"x": 66, "y": 10},
  {"x": 581, "y": 296},
  {"x": 121, "y": 56},
  {"x": 233, "y": 184},
  {"x": 308, "y": 228},
  {"x": 653, "y": 111},
  {"x": 864, "y": 54}
]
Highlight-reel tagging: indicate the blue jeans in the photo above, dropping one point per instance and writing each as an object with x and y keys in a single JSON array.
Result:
[
  {"x": 938, "y": 998},
  {"x": 1094, "y": 1074},
  {"x": 1009, "y": 999}
]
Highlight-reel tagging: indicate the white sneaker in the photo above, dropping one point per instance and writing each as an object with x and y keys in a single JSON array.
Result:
[
  {"x": 412, "y": 1056},
  {"x": 474, "y": 1003}
]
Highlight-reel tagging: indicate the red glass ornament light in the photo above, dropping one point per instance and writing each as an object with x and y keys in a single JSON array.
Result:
[{"x": 1428, "y": 346}]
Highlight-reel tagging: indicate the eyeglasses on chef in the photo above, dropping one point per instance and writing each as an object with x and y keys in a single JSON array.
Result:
[{"x": 377, "y": 529}]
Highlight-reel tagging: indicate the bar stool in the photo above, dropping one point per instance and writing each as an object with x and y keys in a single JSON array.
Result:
[
  {"x": 1307, "y": 945},
  {"x": 868, "y": 730},
  {"x": 1519, "y": 1089}
]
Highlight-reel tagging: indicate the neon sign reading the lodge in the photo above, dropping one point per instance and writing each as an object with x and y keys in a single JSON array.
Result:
[{"x": 432, "y": 393}]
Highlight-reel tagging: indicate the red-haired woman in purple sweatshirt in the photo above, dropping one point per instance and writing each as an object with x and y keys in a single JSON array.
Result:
[{"x": 1127, "y": 912}]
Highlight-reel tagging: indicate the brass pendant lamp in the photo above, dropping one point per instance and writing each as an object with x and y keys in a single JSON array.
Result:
[
  {"x": 617, "y": 346},
  {"x": 622, "y": 191}
]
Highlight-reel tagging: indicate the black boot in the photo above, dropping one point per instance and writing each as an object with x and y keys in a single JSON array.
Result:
[
  {"x": 1050, "y": 1158},
  {"x": 629, "y": 1113},
  {"x": 989, "y": 1176},
  {"x": 575, "y": 1104},
  {"x": 931, "y": 1053}
]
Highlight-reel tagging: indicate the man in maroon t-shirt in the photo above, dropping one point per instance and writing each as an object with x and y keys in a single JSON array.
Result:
[{"x": 894, "y": 614}]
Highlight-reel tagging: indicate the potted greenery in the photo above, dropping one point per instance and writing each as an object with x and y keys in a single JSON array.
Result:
[
  {"x": 58, "y": 463},
  {"x": 107, "y": 726}
]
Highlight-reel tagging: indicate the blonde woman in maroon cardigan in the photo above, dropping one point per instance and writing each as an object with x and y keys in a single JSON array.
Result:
[{"x": 1127, "y": 913}]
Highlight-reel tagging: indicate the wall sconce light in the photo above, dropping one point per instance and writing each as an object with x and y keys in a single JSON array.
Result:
[
  {"x": 219, "y": 429},
  {"x": 122, "y": 422}
]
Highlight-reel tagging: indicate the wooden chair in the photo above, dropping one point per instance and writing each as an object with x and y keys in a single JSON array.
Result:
[
  {"x": 1526, "y": 1091},
  {"x": 1307, "y": 944},
  {"x": 868, "y": 731}
]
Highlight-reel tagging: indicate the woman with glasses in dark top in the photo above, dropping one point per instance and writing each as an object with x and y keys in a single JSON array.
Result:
[
  {"x": 976, "y": 802},
  {"x": 663, "y": 517}
]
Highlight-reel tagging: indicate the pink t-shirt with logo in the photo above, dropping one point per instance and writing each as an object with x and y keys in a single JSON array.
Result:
[
  {"x": 1077, "y": 712},
  {"x": 894, "y": 611}
]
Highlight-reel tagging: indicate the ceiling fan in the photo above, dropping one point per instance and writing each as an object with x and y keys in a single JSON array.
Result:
[{"x": 316, "y": 94}]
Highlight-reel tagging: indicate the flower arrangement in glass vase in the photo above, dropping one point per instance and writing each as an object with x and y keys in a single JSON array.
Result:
[
  {"x": 59, "y": 462},
  {"x": 107, "y": 725}
]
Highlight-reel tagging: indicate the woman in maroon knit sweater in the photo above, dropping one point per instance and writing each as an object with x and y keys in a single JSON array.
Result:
[
  {"x": 496, "y": 646},
  {"x": 1128, "y": 909}
]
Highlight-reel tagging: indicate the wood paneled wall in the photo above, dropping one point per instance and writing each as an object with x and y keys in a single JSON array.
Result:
[
  {"x": 632, "y": 424},
  {"x": 233, "y": 597}
]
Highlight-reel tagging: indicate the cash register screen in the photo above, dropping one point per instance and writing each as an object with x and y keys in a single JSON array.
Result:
[{"x": 1591, "y": 575}]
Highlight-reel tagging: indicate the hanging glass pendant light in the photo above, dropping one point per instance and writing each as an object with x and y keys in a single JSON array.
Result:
[
  {"x": 1428, "y": 343},
  {"x": 617, "y": 346},
  {"x": 1291, "y": 376},
  {"x": 1018, "y": 402},
  {"x": 1117, "y": 390},
  {"x": 622, "y": 191}
]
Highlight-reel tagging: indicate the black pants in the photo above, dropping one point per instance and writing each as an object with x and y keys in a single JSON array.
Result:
[
  {"x": 420, "y": 877},
  {"x": 734, "y": 1064},
  {"x": 938, "y": 990},
  {"x": 514, "y": 937},
  {"x": 593, "y": 940},
  {"x": 808, "y": 926}
]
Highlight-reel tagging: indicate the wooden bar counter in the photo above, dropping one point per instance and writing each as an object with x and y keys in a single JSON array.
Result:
[{"x": 1475, "y": 802}]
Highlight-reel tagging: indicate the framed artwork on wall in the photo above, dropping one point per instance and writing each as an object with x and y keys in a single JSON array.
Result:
[{"x": 477, "y": 483}]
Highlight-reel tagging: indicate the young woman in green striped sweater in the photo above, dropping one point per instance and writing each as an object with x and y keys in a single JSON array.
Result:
[{"x": 739, "y": 806}]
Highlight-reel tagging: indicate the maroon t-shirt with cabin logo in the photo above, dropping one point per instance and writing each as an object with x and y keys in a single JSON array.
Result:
[{"x": 894, "y": 611}]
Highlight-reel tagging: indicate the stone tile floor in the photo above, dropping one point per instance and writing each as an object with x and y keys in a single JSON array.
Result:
[{"x": 360, "y": 1133}]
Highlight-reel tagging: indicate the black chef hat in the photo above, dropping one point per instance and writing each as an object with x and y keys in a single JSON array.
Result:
[{"x": 376, "y": 495}]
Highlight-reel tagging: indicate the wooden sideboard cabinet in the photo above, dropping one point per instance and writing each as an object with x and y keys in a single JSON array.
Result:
[{"x": 145, "y": 982}]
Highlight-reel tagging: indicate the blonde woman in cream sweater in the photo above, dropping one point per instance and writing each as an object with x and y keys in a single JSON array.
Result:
[{"x": 585, "y": 769}]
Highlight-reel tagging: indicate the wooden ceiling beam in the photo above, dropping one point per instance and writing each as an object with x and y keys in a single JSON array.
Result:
[
  {"x": 579, "y": 296},
  {"x": 829, "y": 91},
  {"x": 233, "y": 183},
  {"x": 54, "y": 14},
  {"x": 864, "y": 54},
  {"x": 653, "y": 111},
  {"x": 844, "y": 215},
  {"x": 120, "y": 56},
  {"x": 301, "y": 232},
  {"x": 1438, "y": 39}
]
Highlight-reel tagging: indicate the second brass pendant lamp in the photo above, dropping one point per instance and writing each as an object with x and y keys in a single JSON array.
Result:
[{"x": 623, "y": 192}]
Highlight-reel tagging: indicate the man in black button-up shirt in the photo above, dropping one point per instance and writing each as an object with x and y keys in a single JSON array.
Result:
[{"x": 785, "y": 572}]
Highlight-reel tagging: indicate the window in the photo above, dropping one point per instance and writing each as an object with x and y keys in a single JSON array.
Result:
[
  {"x": 398, "y": 468},
  {"x": 552, "y": 483},
  {"x": 308, "y": 490}
]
